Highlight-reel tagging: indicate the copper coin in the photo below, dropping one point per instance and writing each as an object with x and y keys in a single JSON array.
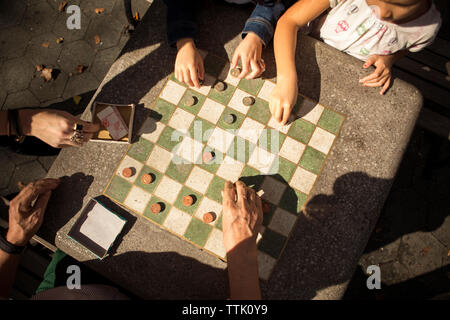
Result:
[
  {"x": 209, "y": 217},
  {"x": 207, "y": 157},
  {"x": 188, "y": 201},
  {"x": 155, "y": 208},
  {"x": 146, "y": 178},
  {"x": 248, "y": 101},
  {"x": 235, "y": 72},
  {"x": 127, "y": 172},
  {"x": 190, "y": 101},
  {"x": 220, "y": 86}
]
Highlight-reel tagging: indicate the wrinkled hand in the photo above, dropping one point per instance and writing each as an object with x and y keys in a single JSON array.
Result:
[
  {"x": 283, "y": 98},
  {"x": 189, "y": 64},
  {"x": 242, "y": 214},
  {"x": 381, "y": 77},
  {"x": 26, "y": 210},
  {"x": 249, "y": 51},
  {"x": 55, "y": 127}
]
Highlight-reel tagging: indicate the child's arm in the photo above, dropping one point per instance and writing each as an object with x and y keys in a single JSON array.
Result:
[
  {"x": 182, "y": 33},
  {"x": 258, "y": 31},
  {"x": 284, "y": 96},
  {"x": 381, "y": 77}
]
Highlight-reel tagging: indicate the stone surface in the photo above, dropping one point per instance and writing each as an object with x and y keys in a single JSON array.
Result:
[
  {"x": 20, "y": 99},
  {"x": 6, "y": 168},
  {"x": 420, "y": 253},
  {"x": 26, "y": 173},
  {"x": 13, "y": 47},
  {"x": 353, "y": 185},
  {"x": 16, "y": 74},
  {"x": 103, "y": 60},
  {"x": 103, "y": 26},
  {"x": 37, "y": 17},
  {"x": 76, "y": 53},
  {"x": 37, "y": 54}
]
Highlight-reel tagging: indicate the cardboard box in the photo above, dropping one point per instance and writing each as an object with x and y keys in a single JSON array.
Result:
[{"x": 127, "y": 113}]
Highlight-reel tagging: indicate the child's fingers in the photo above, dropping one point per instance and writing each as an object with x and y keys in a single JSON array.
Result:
[
  {"x": 370, "y": 61},
  {"x": 245, "y": 67},
  {"x": 386, "y": 86},
  {"x": 375, "y": 84},
  {"x": 194, "y": 76},
  {"x": 279, "y": 113},
  {"x": 187, "y": 78},
  {"x": 383, "y": 75},
  {"x": 374, "y": 75},
  {"x": 256, "y": 70},
  {"x": 286, "y": 114},
  {"x": 235, "y": 60}
]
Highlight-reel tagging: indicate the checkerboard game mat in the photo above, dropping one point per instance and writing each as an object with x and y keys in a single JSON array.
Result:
[{"x": 281, "y": 162}]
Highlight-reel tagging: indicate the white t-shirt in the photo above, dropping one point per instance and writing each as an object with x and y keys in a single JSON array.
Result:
[{"x": 353, "y": 27}]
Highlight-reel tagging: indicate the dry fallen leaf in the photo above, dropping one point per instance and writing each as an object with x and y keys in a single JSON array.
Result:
[
  {"x": 46, "y": 44},
  {"x": 39, "y": 67},
  {"x": 62, "y": 5},
  {"x": 76, "y": 99},
  {"x": 136, "y": 16},
  {"x": 59, "y": 40},
  {"x": 99, "y": 10},
  {"x": 426, "y": 250},
  {"x": 80, "y": 68},
  {"x": 46, "y": 73},
  {"x": 97, "y": 39}
]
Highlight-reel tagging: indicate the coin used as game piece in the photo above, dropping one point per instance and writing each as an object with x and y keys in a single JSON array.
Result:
[
  {"x": 190, "y": 101},
  {"x": 209, "y": 217},
  {"x": 155, "y": 208},
  {"x": 207, "y": 156},
  {"x": 146, "y": 178},
  {"x": 188, "y": 201},
  {"x": 127, "y": 172},
  {"x": 220, "y": 86},
  {"x": 229, "y": 118},
  {"x": 235, "y": 72},
  {"x": 248, "y": 101}
]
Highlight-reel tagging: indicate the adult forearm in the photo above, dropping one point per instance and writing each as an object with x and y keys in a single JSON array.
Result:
[
  {"x": 243, "y": 272},
  {"x": 8, "y": 267}
]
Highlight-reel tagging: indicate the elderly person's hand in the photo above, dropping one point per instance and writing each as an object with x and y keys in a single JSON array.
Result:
[
  {"x": 26, "y": 210},
  {"x": 242, "y": 218},
  {"x": 55, "y": 127}
]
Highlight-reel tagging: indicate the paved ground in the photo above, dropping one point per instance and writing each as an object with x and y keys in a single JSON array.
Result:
[
  {"x": 26, "y": 26},
  {"x": 412, "y": 241}
]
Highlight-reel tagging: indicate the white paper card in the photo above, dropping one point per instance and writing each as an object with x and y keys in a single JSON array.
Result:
[{"x": 102, "y": 226}]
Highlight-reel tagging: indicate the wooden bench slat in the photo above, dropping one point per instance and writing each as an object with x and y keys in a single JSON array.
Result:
[
  {"x": 435, "y": 123},
  {"x": 431, "y": 92},
  {"x": 426, "y": 73},
  {"x": 34, "y": 263},
  {"x": 440, "y": 46},
  {"x": 26, "y": 282},
  {"x": 428, "y": 58}
]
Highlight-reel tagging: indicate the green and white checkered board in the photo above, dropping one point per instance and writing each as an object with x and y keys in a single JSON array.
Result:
[{"x": 282, "y": 161}]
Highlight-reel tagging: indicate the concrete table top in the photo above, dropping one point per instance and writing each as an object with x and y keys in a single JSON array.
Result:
[{"x": 332, "y": 231}]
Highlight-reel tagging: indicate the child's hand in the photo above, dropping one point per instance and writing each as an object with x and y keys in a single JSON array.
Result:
[
  {"x": 249, "y": 51},
  {"x": 283, "y": 99},
  {"x": 189, "y": 64},
  {"x": 381, "y": 77}
]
